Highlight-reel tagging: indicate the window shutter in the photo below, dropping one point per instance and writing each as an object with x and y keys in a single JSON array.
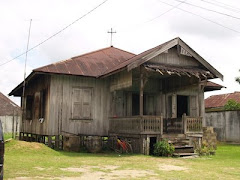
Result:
[
  {"x": 81, "y": 103},
  {"x": 193, "y": 104},
  {"x": 77, "y": 104},
  {"x": 174, "y": 106},
  {"x": 87, "y": 97}
]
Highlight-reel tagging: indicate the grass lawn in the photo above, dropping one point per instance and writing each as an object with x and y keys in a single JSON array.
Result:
[{"x": 36, "y": 161}]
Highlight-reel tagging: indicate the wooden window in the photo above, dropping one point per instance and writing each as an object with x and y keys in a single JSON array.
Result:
[
  {"x": 29, "y": 107},
  {"x": 42, "y": 105},
  {"x": 81, "y": 103}
]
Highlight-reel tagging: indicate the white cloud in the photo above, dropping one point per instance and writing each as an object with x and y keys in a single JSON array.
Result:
[{"x": 129, "y": 18}]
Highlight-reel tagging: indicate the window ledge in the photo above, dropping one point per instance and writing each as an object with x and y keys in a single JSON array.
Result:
[{"x": 82, "y": 120}]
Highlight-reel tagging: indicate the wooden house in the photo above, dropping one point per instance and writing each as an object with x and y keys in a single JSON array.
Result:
[{"x": 110, "y": 92}]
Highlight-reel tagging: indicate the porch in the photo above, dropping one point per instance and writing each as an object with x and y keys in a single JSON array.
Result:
[{"x": 155, "y": 125}]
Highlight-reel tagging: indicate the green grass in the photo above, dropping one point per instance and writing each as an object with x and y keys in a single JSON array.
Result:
[
  {"x": 7, "y": 136},
  {"x": 35, "y": 160}
]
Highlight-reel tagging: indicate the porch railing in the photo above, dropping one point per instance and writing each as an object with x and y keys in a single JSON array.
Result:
[
  {"x": 136, "y": 125},
  {"x": 173, "y": 126},
  {"x": 192, "y": 124}
]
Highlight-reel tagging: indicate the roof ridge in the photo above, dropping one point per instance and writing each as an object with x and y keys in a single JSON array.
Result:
[
  {"x": 5, "y": 98},
  {"x": 74, "y": 57}
]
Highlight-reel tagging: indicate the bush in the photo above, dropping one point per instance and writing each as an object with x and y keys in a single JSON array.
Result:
[
  {"x": 232, "y": 105},
  {"x": 163, "y": 148},
  {"x": 205, "y": 150}
]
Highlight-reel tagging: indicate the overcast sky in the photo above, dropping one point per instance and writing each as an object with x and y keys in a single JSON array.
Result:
[{"x": 140, "y": 25}]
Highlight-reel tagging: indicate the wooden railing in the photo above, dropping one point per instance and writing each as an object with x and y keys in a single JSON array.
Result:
[
  {"x": 173, "y": 126},
  {"x": 192, "y": 124},
  {"x": 136, "y": 125}
]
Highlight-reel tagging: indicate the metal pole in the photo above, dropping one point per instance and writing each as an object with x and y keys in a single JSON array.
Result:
[{"x": 24, "y": 81}]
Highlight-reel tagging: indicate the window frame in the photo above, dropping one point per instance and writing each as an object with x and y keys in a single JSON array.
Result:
[{"x": 81, "y": 103}]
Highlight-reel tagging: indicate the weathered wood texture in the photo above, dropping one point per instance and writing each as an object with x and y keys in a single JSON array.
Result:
[
  {"x": 136, "y": 125},
  {"x": 172, "y": 57},
  {"x": 61, "y": 106},
  {"x": 33, "y": 88}
]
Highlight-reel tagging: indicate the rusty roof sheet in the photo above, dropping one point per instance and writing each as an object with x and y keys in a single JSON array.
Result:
[
  {"x": 211, "y": 86},
  {"x": 7, "y": 106},
  {"x": 221, "y": 100},
  {"x": 92, "y": 64}
]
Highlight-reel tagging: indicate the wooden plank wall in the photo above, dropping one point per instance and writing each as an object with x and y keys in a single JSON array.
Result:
[
  {"x": 173, "y": 58},
  {"x": 61, "y": 106},
  {"x": 34, "y": 126}
]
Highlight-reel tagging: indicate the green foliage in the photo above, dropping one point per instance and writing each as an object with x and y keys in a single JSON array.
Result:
[
  {"x": 238, "y": 79},
  {"x": 163, "y": 148},
  {"x": 205, "y": 151},
  {"x": 232, "y": 105}
]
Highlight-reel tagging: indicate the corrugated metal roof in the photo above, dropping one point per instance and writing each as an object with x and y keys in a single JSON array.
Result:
[
  {"x": 211, "y": 86},
  {"x": 7, "y": 106},
  {"x": 91, "y": 64},
  {"x": 221, "y": 100}
]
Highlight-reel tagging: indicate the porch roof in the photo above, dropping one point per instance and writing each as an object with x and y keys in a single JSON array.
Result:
[{"x": 174, "y": 70}]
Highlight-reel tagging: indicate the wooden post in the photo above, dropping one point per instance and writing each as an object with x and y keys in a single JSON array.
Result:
[
  {"x": 141, "y": 92},
  {"x": 161, "y": 125},
  {"x": 49, "y": 141},
  {"x": 184, "y": 119},
  {"x": 13, "y": 125},
  {"x": 57, "y": 142}
]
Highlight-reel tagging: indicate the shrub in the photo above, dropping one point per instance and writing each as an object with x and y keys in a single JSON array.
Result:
[
  {"x": 205, "y": 150},
  {"x": 232, "y": 105},
  {"x": 163, "y": 148}
]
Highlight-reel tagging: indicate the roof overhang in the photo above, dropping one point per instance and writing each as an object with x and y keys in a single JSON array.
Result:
[{"x": 144, "y": 57}]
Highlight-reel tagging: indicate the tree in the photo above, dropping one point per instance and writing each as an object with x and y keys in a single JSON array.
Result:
[
  {"x": 238, "y": 79},
  {"x": 232, "y": 105}
]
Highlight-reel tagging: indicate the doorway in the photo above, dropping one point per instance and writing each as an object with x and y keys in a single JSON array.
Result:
[
  {"x": 153, "y": 140},
  {"x": 182, "y": 106}
]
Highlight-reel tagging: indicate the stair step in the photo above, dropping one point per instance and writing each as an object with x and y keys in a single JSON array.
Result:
[
  {"x": 184, "y": 149},
  {"x": 184, "y": 154}
]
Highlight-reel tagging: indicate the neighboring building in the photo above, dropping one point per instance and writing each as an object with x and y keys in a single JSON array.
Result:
[
  {"x": 110, "y": 92},
  {"x": 9, "y": 114},
  {"x": 226, "y": 123},
  {"x": 217, "y": 102}
]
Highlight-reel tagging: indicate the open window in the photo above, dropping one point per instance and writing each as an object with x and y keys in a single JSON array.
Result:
[
  {"x": 29, "y": 107},
  {"x": 82, "y": 103}
]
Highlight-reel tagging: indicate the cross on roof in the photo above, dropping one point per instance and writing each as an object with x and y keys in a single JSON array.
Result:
[{"x": 111, "y": 35}]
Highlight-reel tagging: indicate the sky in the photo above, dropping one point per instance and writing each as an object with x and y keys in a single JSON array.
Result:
[{"x": 210, "y": 27}]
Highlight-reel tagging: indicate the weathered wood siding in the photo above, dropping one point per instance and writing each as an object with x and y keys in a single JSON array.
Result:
[
  {"x": 33, "y": 88},
  {"x": 172, "y": 57},
  {"x": 61, "y": 106}
]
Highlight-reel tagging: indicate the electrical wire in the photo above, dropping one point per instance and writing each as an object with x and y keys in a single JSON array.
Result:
[
  {"x": 236, "y": 10},
  {"x": 55, "y": 34},
  {"x": 227, "y": 5},
  {"x": 211, "y": 10},
  {"x": 202, "y": 17},
  {"x": 164, "y": 13}
]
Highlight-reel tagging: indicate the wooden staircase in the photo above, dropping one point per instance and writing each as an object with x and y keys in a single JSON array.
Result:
[{"x": 181, "y": 144}]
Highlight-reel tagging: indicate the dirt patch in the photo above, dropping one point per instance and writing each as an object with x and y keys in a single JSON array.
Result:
[
  {"x": 39, "y": 168},
  {"x": 31, "y": 145},
  {"x": 172, "y": 168},
  {"x": 88, "y": 172}
]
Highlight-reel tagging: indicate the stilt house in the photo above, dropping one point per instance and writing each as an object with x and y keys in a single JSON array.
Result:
[{"x": 110, "y": 92}]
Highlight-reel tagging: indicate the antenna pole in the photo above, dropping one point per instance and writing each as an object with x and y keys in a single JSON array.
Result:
[{"x": 24, "y": 80}]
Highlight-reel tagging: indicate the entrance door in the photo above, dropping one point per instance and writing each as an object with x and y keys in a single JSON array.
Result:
[{"x": 182, "y": 106}]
